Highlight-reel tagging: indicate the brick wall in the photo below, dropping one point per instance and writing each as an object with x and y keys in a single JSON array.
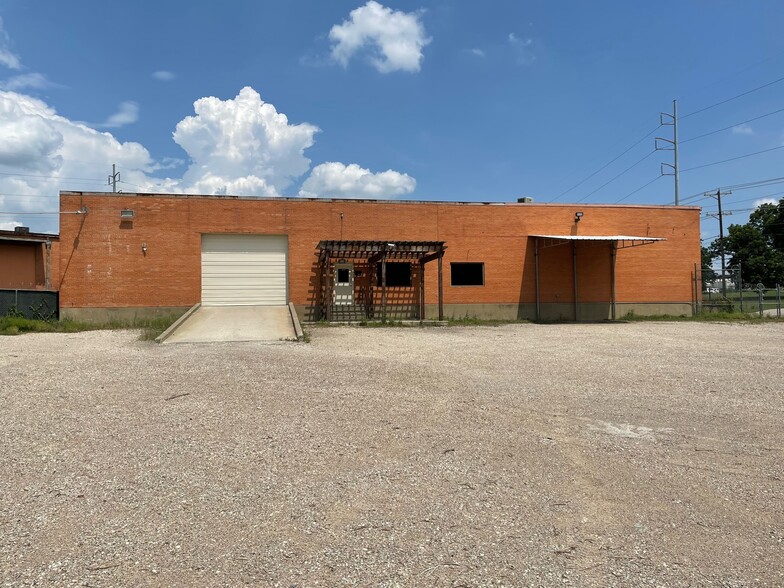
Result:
[
  {"x": 101, "y": 262},
  {"x": 23, "y": 265}
]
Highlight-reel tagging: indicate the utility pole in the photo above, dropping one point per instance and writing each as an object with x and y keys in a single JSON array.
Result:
[
  {"x": 717, "y": 195},
  {"x": 114, "y": 178},
  {"x": 670, "y": 120}
]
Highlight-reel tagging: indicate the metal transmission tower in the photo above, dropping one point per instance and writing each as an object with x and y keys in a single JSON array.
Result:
[
  {"x": 670, "y": 120},
  {"x": 114, "y": 178},
  {"x": 720, "y": 215}
]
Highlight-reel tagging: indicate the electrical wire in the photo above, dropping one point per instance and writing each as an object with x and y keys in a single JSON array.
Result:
[
  {"x": 755, "y": 198},
  {"x": 130, "y": 184},
  {"x": 731, "y": 126},
  {"x": 638, "y": 162},
  {"x": 20, "y": 212},
  {"x": 736, "y": 187},
  {"x": 731, "y": 159},
  {"x": 757, "y": 184},
  {"x": 731, "y": 99},
  {"x": 92, "y": 180},
  {"x": 638, "y": 189},
  {"x": 26, "y": 196},
  {"x": 632, "y": 146}
]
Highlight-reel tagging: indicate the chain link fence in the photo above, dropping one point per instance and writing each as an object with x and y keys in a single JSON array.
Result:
[
  {"x": 31, "y": 304},
  {"x": 727, "y": 292}
]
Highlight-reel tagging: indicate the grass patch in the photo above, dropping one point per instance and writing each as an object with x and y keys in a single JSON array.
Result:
[
  {"x": 151, "y": 328},
  {"x": 470, "y": 321},
  {"x": 707, "y": 317}
]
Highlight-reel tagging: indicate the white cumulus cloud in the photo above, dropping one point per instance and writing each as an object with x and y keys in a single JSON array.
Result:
[
  {"x": 43, "y": 152},
  {"x": 127, "y": 113},
  {"x": 761, "y": 201},
  {"x": 393, "y": 39},
  {"x": 336, "y": 180},
  {"x": 241, "y": 146}
]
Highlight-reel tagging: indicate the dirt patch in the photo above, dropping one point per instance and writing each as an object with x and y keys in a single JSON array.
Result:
[{"x": 642, "y": 454}]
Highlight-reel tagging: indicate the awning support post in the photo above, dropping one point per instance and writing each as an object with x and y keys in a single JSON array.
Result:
[
  {"x": 574, "y": 275},
  {"x": 440, "y": 285},
  {"x": 327, "y": 288},
  {"x": 421, "y": 291},
  {"x": 384, "y": 287},
  {"x": 536, "y": 272},
  {"x": 613, "y": 254}
]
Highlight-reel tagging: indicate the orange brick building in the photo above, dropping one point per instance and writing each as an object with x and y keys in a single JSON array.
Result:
[
  {"x": 127, "y": 255},
  {"x": 28, "y": 261}
]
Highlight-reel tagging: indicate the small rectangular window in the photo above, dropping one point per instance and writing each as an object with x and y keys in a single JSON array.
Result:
[
  {"x": 398, "y": 274},
  {"x": 468, "y": 274},
  {"x": 342, "y": 275}
]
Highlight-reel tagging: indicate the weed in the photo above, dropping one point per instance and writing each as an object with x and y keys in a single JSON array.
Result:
[
  {"x": 702, "y": 317},
  {"x": 16, "y": 325}
]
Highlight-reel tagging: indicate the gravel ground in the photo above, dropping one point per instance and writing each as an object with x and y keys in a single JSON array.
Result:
[{"x": 642, "y": 454}]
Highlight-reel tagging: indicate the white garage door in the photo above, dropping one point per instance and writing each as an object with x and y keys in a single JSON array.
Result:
[{"x": 243, "y": 270}]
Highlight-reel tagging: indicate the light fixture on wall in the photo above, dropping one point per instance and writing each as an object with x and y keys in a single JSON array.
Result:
[
  {"x": 577, "y": 216},
  {"x": 144, "y": 248},
  {"x": 126, "y": 214}
]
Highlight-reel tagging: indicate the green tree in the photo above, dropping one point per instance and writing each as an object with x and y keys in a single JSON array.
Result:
[
  {"x": 769, "y": 218},
  {"x": 752, "y": 246},
  {"x": 708, "y": 255}
]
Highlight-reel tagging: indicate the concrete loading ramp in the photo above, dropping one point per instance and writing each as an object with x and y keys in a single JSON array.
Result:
[{"x": 212, "y": 324}]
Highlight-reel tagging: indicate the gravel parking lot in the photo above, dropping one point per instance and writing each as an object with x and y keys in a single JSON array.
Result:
[{"x": 641, "y": 454}]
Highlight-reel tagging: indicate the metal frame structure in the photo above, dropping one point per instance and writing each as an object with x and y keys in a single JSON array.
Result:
[
  {"x": 617, "y": 241},
  {"x": 380, "y": 251}
]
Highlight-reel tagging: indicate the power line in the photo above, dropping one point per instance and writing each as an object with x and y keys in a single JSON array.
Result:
[
  {"x": 639, "y": 161},
  {"x": 6, "y": 212},
  {"x": 92, "y": 180},
  {"x": 732, "y": 159},
  {"x": 757, "y": 184},
  {"x": 745, "y": 186},
  {"x": 732, "y": 75},
  {"x": 758, "y": 197},
  {"x": 26, "y": 196},
  {"x": 130, "y": 184},
  {"x": 733, "y": 126},
  {"x": 733, "y": 98},
  {"x": 640, "y": 188},
  {"x": 632, "y": 146}
]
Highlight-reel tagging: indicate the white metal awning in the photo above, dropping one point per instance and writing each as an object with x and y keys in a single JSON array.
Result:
[{"x": 622, "y": 240}]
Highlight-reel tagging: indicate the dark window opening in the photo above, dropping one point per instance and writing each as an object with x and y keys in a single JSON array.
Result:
[
  {"x": 342, "y": 275},
  {"x": 468, "y": 274},
  {"x": 398, "y": 274}
]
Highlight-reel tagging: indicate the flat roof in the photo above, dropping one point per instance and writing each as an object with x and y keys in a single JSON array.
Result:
[
  {"x": 28, "y": 237},
  {"x": 369, "y": 200}
]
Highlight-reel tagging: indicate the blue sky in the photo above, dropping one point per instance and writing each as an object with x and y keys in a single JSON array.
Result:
[{"x": 425, "y": 100}]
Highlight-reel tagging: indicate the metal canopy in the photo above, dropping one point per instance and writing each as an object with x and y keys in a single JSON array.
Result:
[
  {"x": 616, "y": 242},
  {"x": 381, "y": 251},
  {"x": 623, "y": 241}
]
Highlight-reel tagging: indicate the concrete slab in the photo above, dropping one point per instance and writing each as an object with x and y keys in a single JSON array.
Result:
[{"x": 235, "y": 323}]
